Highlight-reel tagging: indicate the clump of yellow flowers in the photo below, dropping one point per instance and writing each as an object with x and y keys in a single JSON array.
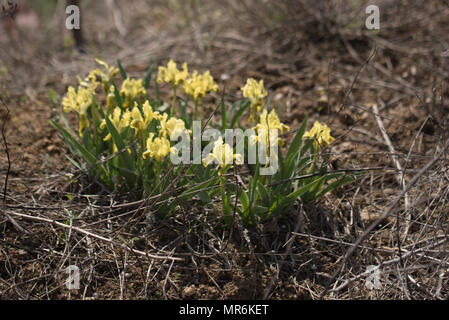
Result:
[
  {"x": 195, "y": 85},
  {"x": 171, "y": 127},
  {"x": 125, "y": 138},
  {"x": 255, "y": 92},
  {"x": 198, "y": 85},
  {"x": 131, "y": 89},
  {"x": 119, "y": 119},
  {"x": 127, "y": 120},
  {"x": 106, "y": 76},
  {"x": 157, "y": 148},
  {"x": 320, "y": 133},
  {"x": 263, "y": 129},
  {"x": 223, "y": 154},
  {"x": 79, "y": 100},
  {"x": 269, "y": 122},
  {"x": 171, "y": 74},
  {"x": 142, "y": 119}
]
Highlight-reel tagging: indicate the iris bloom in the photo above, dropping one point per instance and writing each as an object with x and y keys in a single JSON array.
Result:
[
  {"x": 171, "y": 74},
  {"x": 79, "y": 100},
  {"x": 223, "y": 154},
  {"x": 198, "y": 85},
  {"x": 321, "y": 135},
  {"x": 268, "y": 141},
  {"x": 255, "y": 92},
  {"x": 171, "y": 127},
  {"x": 267, "y": 123},
  {"x": 89, "y": 82},
  {"x": 106, "y": 76},
  {"x": 120, "y": 122},
  {"x": 131, "y": 89},
  {"x": 141, "y": 122},
  {"x": 157, "y": 149}
]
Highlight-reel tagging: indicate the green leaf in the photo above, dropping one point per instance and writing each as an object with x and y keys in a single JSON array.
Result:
[
  {"x": 54, "y": 97},
  {"x": 296, "y": 143},
  {"x": 253, "y": 184},
  {"x": 227, "y": 209},
  {"x": 77, "y": 147},
  {"x": 291, "y": 198},
  {"x": 341, "y": 182},
  {"x": 204, "y": 197},
  {"x": 224, "y": 119},
  {"x": 239, "y": 113},
  {"x": 263, "y": 194},
  {"x": 244, "y": 200},
  {"x": 307, "y": 146},
  {"x": 184, "y": 115},
  {"x": 234, "y": 106},
  {"x": 122, "y": 71},
  {"x": 262, "y": 212},
  {"x": 147, "y": 80},
  {"x": 190, "y": 192},
  {"x": 79, "y": 150},
  {"x": 128, "y": 171},
  {"x": 74, "y": 162},
  {"x": 156, "y": 89},
  {"x": 66, "y": 123},
  {"x": 118, "y": 97}
]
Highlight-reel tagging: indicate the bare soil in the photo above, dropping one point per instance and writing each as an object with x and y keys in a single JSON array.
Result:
[{"x": 317, "y": 59}]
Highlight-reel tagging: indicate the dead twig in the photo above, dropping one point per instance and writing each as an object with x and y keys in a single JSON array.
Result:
[
  {"x": 387, "y": 213},
  {"x": 401, "y": 182},
  {"x": 8, "y": 169},
  {"x": 399, "y": 177},
  {"x": 96, "y": 236}
]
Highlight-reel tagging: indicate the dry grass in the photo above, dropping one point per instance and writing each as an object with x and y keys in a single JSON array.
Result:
[{"x": 316, "y": 58}]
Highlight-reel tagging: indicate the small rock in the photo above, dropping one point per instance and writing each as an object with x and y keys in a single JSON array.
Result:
[{"x": 189, "y": 291}]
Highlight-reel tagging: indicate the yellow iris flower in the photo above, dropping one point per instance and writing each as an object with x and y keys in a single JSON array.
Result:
[
  {"x": 141, "y": 122},
  {"x": 131, "y": 89},
  {"x": 321, "y": 135},
  {"x": 170, "y": 127},
  {"x": 91, "y": 81},
  {"x": 107, "y": 75},
  {"x": 79, "y": 100},
  {"x": 223, "y": 154},
  {"x": 255, "y": 92},
  {"x": 171, "y": 74},
  {"x": 157, "y": 149},
  {"x": 198, "y": 85},
  {"x": 270, "y": 122},
  {"x": 268, "y": 141},
  {"x": 120, "y": 121}
]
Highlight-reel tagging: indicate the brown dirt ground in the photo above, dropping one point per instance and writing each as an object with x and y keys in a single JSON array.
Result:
[{"x": 309, "y": 69}]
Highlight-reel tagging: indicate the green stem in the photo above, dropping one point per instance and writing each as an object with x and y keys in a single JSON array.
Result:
[
  {"x": 173, "y": 106},
  {"x": 224, "y": 201},
  {"x": 223, "y": 195},
  {"x": 157, "y": 168},
  {"x": 315, "y": 157},
  {"x": 195, "y": 111},
  {"x": 202, "y": 111},
  {"x": 202, "y": 108}
]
